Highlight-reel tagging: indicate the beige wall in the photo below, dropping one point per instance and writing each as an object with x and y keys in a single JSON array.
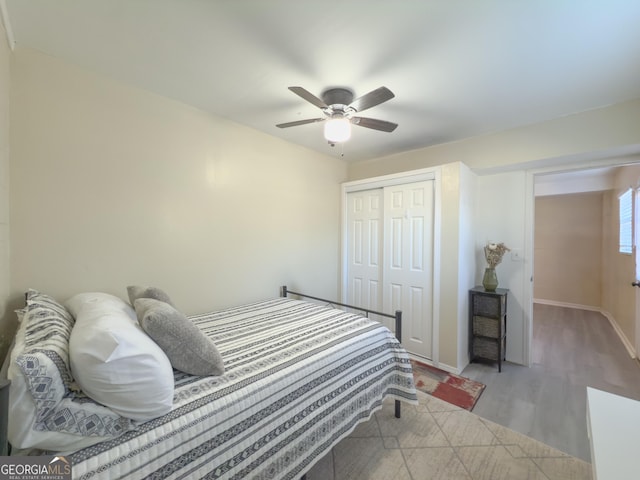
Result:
[
  {"x": 568, "y": 248},
  {"x": 5, "y": 58},
  {"x": 114, "y": 186},
  {"x": 619, "y": 269},
  {"x": 449, "y": 264}
]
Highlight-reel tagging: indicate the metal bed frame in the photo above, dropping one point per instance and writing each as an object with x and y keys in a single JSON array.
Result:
[{"x": 284, "y": 291}]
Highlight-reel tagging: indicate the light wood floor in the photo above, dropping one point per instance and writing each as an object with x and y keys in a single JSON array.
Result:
[{"x": 572, "y": 349}]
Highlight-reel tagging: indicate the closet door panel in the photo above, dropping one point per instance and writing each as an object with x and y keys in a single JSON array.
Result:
[
  {"x": 364, "y": 255},
  {"x": 408, "y": 261}
]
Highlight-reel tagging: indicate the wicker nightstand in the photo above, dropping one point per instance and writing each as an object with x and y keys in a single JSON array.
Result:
[{"x": 488, "y": 324}]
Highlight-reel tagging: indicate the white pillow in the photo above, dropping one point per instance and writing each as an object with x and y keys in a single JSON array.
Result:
[{"x": 114, "y": 361}]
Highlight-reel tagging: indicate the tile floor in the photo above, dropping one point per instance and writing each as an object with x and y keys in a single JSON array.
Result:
[{"x": 436, "y": 440}]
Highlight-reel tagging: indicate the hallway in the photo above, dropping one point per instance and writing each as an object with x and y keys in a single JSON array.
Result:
[{"x": 572, "y": 349}]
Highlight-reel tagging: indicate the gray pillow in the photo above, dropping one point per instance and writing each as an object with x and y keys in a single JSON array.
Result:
[
  {"x": 188, "y": 348},
  {"x": 136, "y": 291}
]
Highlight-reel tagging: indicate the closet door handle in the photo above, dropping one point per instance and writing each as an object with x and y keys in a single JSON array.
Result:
[{"x": 635, "y": 284}]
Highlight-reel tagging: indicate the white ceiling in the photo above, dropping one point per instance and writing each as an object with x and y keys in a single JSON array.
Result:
[{"x": 458, "y": 68}]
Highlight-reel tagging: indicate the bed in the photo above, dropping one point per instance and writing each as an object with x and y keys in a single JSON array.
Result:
[{"x": 299, "y": 377}]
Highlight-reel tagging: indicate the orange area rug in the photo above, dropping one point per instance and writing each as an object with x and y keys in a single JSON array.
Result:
[{"x": 446, "y": 386}]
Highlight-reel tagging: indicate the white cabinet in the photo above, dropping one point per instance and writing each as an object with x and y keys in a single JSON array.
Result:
[{"x": 614, "y": 432}]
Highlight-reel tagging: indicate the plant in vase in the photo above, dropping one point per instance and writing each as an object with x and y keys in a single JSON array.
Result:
[{"x": 493, "y": 253}]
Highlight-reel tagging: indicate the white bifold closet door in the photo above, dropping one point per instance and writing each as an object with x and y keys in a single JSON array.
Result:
[
  {"x": 390, "y": 257},
  {"x": 365, "y": 222}
]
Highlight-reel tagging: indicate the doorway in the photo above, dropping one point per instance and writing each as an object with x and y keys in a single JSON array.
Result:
[{"x": 616, "y": 299}]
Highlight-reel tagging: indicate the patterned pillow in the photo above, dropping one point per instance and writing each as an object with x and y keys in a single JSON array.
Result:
[
  {"x": 47, "y": 411},
  {"x": 44, "y": 360}
]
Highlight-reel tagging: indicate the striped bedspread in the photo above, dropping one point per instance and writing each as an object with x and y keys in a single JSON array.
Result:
[{"x": 299, "y": 377}]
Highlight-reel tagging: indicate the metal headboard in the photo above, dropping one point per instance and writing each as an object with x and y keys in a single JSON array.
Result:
[{"x": 397, "y": 316}]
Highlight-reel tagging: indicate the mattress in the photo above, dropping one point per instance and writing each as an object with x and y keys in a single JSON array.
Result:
[{"x": 299, "y": 378}]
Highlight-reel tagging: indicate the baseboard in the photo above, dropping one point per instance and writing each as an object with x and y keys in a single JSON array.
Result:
[
  {"x": 623, "y": 338},
  {"x": 616, "y": 328},
  {"x": 567, "y": 305}
]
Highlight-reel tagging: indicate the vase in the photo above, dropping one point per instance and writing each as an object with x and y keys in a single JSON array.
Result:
[{"x": 490, "y": 279}]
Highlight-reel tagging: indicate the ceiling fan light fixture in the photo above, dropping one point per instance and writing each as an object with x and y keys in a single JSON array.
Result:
[
  {"x": 339, "y": 108},
  {"x": 337, "y": 129}
]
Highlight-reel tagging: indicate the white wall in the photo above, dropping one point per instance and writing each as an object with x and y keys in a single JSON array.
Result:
[
  {"x": 467, "y": 252},
  {"x": 592, "y": 180},
  {"x": 114, "y": 186},
  {"x": 5, "y": 56},
  {"x": 500, "y": 217}
]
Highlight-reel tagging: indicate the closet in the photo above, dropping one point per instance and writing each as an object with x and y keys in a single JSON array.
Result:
[{"x": 389, "y": 243}]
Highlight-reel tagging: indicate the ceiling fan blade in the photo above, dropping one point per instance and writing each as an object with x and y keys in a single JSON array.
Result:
[
  {"x": 371, "y": 99},
  {"x": 308, "y": 96},
  {"x": 374, "y": 123},
  {"x": 299, "y": 122}
]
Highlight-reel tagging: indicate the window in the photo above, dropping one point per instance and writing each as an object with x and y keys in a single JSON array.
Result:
[
  {"x": 626, "y": 221},
  {"x": 636, "y": 222}
]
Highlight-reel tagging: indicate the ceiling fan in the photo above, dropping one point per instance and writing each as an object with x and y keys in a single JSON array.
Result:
[{"x": 339, "y": 110}]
